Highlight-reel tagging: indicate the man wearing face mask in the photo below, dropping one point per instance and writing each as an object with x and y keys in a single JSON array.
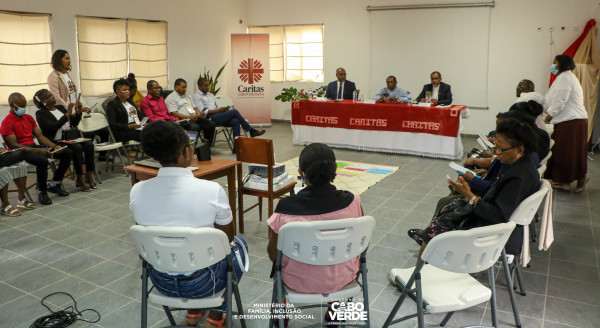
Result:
[{"x": 18, "y": 130}]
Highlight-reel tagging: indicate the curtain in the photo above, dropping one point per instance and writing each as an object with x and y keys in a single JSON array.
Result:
[
  {"x": 587, "y": 62},
  {"x": 148, "y": 52},
  {"x": 25, "y": 53},
  {"x": 102, "y": 46}
]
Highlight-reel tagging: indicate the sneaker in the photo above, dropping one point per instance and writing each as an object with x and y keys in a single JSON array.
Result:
[
  {"x": 56, "y": 189},
  {"x": 44, "y": 199},
  {"x": 256, "y": 133}
]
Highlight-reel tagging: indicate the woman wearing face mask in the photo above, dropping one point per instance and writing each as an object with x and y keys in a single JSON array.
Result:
[
  {"x": 53, "y": 119},
  {"x": 566, "y": 111}
]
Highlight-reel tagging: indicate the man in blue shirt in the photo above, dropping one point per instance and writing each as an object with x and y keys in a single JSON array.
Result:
[{"x": 391, "y": 93}]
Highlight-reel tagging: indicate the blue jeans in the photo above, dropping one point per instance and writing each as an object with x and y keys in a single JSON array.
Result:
[
  {"x": 200, "y": 284},
  {"x": 231, "y": 118}
]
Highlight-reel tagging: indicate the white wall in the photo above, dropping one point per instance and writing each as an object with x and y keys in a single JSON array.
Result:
[
  {"x": 517, "y": 49},
  {"x": 198, "y": 30}
]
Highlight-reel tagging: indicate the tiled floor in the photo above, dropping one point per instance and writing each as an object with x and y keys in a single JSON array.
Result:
[{"x": 80, "y": 245}]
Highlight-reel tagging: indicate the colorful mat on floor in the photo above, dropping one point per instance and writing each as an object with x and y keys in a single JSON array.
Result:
[{"x": 352, "y": 176}]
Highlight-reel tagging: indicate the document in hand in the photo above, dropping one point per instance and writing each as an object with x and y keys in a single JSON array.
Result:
[
  {"x": 485, "y": 141},
  {"x": 461, "y": 169}
]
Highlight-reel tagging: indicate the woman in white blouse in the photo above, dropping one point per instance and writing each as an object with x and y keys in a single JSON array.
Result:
[{"x": 566, "y": 111}]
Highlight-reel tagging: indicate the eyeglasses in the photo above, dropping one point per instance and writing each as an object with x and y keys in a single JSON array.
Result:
[{"x": 500, "y": 150}]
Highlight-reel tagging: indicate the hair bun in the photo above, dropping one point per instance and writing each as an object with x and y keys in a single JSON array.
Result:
[{"x": 131, "y": 76}]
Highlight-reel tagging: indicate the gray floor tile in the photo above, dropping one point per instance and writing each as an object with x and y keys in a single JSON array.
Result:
[
  {"x": 574, "y": 271},
  {"x": 104, "y": 273},
  {"x": 13, "y": 313},
  {"x": 71, "y": 285},
  {"x": 581, "y": 291},
  {"x": 507, "y": 320},
  {"x": 51, "y": 253},
  {"x": 531, "y": 305},
  {"x": 41, "y": 225},
  {"x": 111, "y": 248},
  {"x": 85, "y": 240},
  {"x": 129, "y": 316},
  {"x": 388, "y": 256},
  {"x": 77, "y": 262},
  {"x": 6, "y": 255},
  {"x": 11, "y": 235},
  {"x": 572, "y": 313},
  {"x": 28, "y": 244},
  {"x": 36, "y": 279},
  {"x": 103, "y": 301},
  {"x": 9, "y": 293}
]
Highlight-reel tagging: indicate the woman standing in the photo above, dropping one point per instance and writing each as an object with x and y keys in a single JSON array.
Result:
[
  {"x": 60, "y": 82},
  {"x": 53, "y": 119},
  {"x": 566, "y": 111}
]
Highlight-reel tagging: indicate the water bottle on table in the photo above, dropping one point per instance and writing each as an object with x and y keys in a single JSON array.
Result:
[{"x": 409, "y": 98}]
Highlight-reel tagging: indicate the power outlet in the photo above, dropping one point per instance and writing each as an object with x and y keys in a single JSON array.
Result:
[{"x": 551, "y": 28}]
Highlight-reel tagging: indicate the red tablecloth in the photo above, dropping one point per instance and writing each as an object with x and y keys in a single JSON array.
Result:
[{"x": 378, "y": 117}]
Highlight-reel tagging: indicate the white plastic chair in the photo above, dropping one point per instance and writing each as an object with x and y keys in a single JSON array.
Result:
[
  {"x": 444, "y": 284},
  {"x": 545, "y": 159},
  {"x": 95, "y": 122},
  {"x": 180, "y": 249},
  {"x": 542, "y": 170},
  {"x": 324, "y": 243}
]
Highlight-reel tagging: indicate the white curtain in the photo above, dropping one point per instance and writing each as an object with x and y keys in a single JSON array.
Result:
[
  {"x": 148, "y": 52},
  {"x": 296, "y": 52},
  {"x": 111, "y": 48},
  {"x": 25, "y": 53},
  {"x": 102, "y": 45}
]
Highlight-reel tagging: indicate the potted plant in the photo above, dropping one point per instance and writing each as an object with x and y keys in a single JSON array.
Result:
[{"x": 293, "y": 94}]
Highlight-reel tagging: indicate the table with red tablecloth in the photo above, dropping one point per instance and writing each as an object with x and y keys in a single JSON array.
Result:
[{"x": 381, "y": 127}]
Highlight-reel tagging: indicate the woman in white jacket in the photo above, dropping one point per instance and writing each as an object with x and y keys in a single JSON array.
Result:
[{"x": 566, "y": 111}]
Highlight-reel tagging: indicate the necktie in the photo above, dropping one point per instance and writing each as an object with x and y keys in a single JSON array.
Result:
[{"x": 339, "y": 96}]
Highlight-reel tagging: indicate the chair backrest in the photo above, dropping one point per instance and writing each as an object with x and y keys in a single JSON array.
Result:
[
  {"x": 467, "y": 251},
  {"x": 545, "y": 159},
  {"x": 254, "y": 150},
  {"x": 180, "y": 249},
  {"x": 525, "y": 212},
  {"x": 326, "y": 242},
  {"x": 94, "y": 122},
  {"x": 224, "y": 101},
  {"x": 542, "y": 170}
]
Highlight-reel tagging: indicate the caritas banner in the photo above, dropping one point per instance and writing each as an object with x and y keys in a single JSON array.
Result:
[
  {"x": 378, "y": 117},
  {"x": 250, "y": 75}
]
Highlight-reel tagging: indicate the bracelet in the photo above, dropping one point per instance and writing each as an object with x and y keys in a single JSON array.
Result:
[{"x": 472, "y": 200}]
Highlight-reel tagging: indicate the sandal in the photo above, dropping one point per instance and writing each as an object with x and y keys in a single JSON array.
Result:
[
  {"x": 218, "y": 323},
  {"x": 25, "y": 204},
  {"x": 10, "y": 211},
  {"x": 89, "y": 179},
  {"x": 194, "y": 318},
  {"x": 414, "y": 234}
]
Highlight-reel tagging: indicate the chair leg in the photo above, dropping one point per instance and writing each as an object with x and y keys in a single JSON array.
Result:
[
  {"x": 405, "y": 290},
  {"x": 280, "y": 298},
  {"x": 169, "y": 315},
  {"x": 270, "y": 205},
  {"x": 446, "y": 318},
  {"x": 421, "y": 316},
  {"x": 363, "y": 272},
  {"x": 518, "y": 274},
  {"x": 273, "y": 301},
  {"x": 493, "y": 298},
  {"x": 260, "y": 208},
  {"x": 511, "y": 292},
  {"x": 229, "y": 318},
  {"x": 238, "y": 301},
  {"x": 144, "y": 319},
  {"x": 28, "y": 195}
]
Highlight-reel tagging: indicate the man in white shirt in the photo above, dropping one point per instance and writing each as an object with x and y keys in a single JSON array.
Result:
[
  {"x": 182, "y": 106},
  {"x": 392, "y": 93},
  {"x": 221, "y": 116}
]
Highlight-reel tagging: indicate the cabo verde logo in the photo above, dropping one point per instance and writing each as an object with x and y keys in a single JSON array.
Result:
[{"x": 251, "y": 71}]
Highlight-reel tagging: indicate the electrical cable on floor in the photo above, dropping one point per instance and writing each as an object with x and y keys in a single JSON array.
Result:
[{"x": 63, "y": 318}]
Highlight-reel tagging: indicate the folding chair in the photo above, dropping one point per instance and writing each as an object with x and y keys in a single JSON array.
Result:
[
  {"x": 258, "y": 151},
  {"x": 180, "y": 249},
  {"x": 95, "y": 122},
  {"x": 324, "y": 243},
  {"x": 444, "y": 285},
  {"x": 227, "y": 131},
  {"x": 542, "y": 170},
  {"x": 545, "y": 159}
]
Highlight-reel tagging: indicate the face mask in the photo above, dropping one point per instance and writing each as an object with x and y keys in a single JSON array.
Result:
[
  {"x": 20, "y": 111},
  {"x": 553, "y": 69}
]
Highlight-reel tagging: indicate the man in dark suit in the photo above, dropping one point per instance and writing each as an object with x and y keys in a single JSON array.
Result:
[
  {"x": 342, "y": 88},
  {"x": 440, "y": 91}
]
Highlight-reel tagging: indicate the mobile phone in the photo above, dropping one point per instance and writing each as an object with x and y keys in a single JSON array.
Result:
[{"x": 144, "y": 120}]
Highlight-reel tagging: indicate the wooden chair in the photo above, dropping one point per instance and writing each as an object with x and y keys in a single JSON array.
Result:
[{"x": 257, "y": 151}]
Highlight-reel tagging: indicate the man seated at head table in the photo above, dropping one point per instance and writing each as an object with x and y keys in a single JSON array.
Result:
[
  {"x": 440, "y": 91},
  {"x": 392, "y": 93},
  {"x": 182, "y": 106},
  {"x": 342, "y": 88}
]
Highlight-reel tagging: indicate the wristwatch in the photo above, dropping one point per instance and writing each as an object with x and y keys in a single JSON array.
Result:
[{"x": 472, "y": 200}]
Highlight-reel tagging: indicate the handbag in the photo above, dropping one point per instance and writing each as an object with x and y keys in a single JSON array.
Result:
[
  {"x": 455, "y": 213},
  {"x": 71, "y": 134}
]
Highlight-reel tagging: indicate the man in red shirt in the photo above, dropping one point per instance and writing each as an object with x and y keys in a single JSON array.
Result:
[
  {"x": 153, "y": 105},
  {"x": 18, "y": 130}
]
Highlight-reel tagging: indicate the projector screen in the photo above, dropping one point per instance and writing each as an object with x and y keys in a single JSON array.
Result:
[{"x": 410, "y": 44}]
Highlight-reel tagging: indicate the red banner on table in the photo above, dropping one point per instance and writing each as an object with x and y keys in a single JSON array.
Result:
[{"x": 378, "y": 117}]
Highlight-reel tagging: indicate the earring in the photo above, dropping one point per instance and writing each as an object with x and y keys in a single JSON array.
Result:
[{"x": 518, "y": 155}]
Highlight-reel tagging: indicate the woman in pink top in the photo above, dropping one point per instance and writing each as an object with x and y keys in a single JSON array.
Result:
[{"x": 320, "y": 200}]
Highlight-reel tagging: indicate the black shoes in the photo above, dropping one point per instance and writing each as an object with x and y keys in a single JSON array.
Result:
[
  {"x": 44, "y": 199},
  {"x": 57, "y": 190},
  {"x": 414, "y": 234},
  {"x": 256, "y": 133}
]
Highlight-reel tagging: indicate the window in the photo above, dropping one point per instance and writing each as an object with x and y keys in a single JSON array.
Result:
[
  {"x": 25, "y": 53},
  {"x": 296, "y": 52},
  {"x": 111, "y": 48}
]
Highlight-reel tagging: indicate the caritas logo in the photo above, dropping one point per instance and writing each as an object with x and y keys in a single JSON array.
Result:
[{"x": 250, "y": 71}]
